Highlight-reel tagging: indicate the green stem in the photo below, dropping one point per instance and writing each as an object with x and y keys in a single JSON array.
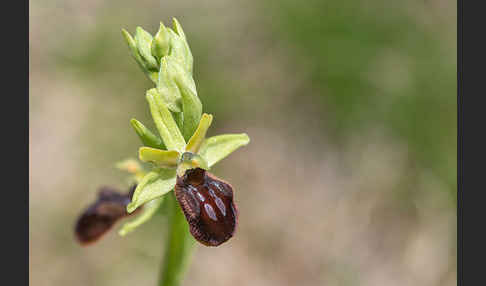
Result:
[{"x": 179, "y": 245}]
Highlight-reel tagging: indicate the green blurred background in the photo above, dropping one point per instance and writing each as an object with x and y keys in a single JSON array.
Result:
[{"x": 350, "y": 177}]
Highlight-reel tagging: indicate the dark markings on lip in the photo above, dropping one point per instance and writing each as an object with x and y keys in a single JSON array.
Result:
[{"x": 207, "y": 203}]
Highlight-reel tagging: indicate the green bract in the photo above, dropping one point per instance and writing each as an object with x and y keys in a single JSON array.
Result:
[{"x": 181, "y": 141}]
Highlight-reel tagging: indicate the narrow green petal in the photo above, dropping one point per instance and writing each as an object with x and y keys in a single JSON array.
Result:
[
  {"x": 167, "y": 127},
  {"x": 154, "y": 185},
  {"x": 144, "y": 45},
  {"x": 218, "y": 147},
  {"x": 162, "y": 158},
  {"x": 146, "y": 136},
  {"x": 197, "y": 139},
  {"x": 149, "y": 209}
]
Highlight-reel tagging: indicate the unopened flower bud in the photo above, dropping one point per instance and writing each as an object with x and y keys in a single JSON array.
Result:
[{"x": 161, "y": 42}]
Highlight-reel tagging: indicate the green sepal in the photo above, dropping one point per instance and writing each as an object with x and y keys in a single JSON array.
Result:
[
  {"x": 191, "y": 105},
  {"x": 179, "y": 91},
  {"x": 132, "y": 45},
  {"x": 216, "y": 148},
  {"x": 155, "y": 184},
  {"x": 167, "y": 127},
  {"x": 149, "y": 209},
  {"x": 179, "y": 119},
  {"x": 144, "y": 44},
  {"x": 167, "y": 87},
  {"x": 161, "y": 43},
  {"x": 180, "y": 52},
  {"x": 178, "y": 88},
  {"x": 146, "y": 136},
  {"x": 161, "y": 158},
  {"x": 179, "y": 245},
  {"x": 194, "y": 144},
  {"x": 186, "y": 52}
]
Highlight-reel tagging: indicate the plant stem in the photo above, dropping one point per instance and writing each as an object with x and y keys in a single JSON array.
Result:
[{"x": 179, "y": 245}]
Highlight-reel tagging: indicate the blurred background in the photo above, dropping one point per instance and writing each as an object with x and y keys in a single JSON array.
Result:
[{"x": 350, "y": 176}]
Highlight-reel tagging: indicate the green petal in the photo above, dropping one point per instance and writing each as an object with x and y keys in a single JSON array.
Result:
[
  {"x": 144, "y": 45},
  {"x": 164, "y": 122},
  {"x": 149, "y": 209},
  {"x": 146, "y": 136},
  {"x": 162, "y": 158},
  {"x": 154, "y": 185},
  {"x": 218, "y": 147},
  {"x": 197, "y": 139}
]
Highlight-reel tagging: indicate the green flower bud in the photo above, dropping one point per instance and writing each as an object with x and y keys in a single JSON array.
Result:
[
  {"x": 144, "y": 43},
  {"x": 132, "y": 45},
  {"x": 146, "y": 136},
  {"x": 161, "y": 43}
]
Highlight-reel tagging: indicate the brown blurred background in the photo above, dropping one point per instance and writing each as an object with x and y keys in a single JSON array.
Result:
[{"x": 350, "y": 176}]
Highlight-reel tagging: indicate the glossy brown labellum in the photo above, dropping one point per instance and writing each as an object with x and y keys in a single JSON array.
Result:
[
  {"x": 207, "y": 203},
  {"x": 100, "y": 216}
]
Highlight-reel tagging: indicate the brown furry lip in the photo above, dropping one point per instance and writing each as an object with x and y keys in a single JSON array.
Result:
[{"x": 207, "y": 203}]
